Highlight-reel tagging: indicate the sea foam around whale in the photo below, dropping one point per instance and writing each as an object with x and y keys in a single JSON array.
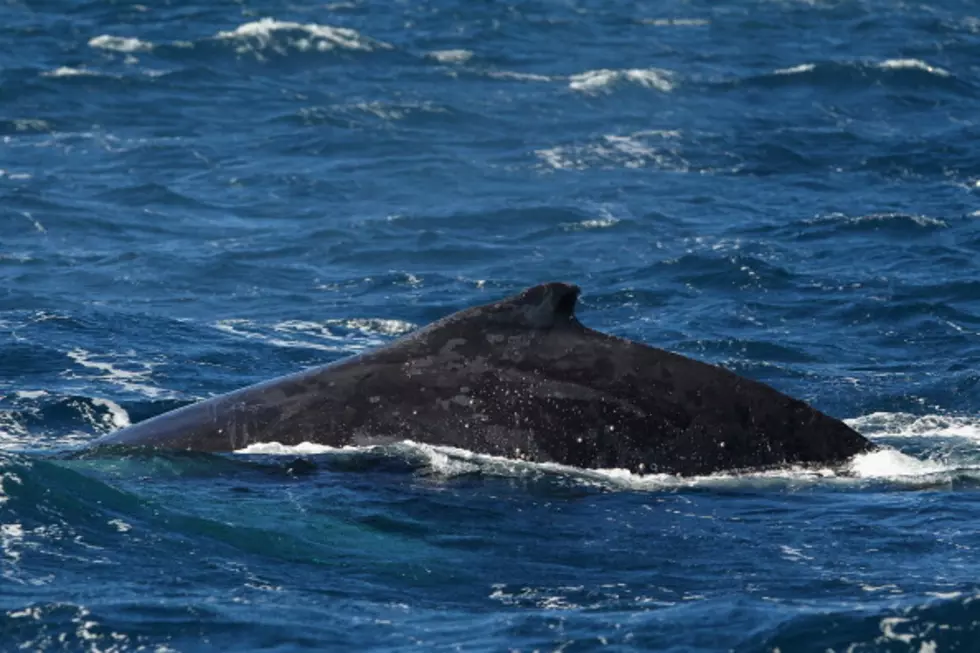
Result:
[{"x": 888, "y": 464}]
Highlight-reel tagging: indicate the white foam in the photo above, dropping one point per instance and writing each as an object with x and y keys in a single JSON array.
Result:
[
  {"x": 888, "y": 64},
  {"x": 522, "y": 77},
  {"x": 68, "y": 71},
  {"x": 907, "y": 425},
  {"x": 601, "y": 223},
  {"x": 13, "y": 434},
  {"x": 5, "y": 479},
  {"x": 305, "y": 448},
  {"x": 116, "y": 416},
  {"x": 885, "y": 464},
  {"x": 675, "y": 22},
  {"x": 387, "y": 111},
  {"x": 592, "y": 81},
  {"x": 451, "y": 56},
  {"x": 450, "y": 462},
  {"x": 795, "y": 70},
  {"x": 138, "y": 381},
  {"x": 30, "y": 394},
  {"x": 561, "y": 158},
  {"x": 892, "y": 464},
  {"x": 120, "y": 525},
  {"x": 912, "y": 64},
  {"x": 34, "y": 221},
  {"x": 917, "y": 219},
  {"x": 612, "y": 150},
  {"x": 368, "y": 332},
  {"x": 262, "y": 34},
  {"x": 120, "y": 43},
  {"x": 242, "y": 329},
  {"x": 377, "y": 326},
  {"x": 11, "y": 537}
]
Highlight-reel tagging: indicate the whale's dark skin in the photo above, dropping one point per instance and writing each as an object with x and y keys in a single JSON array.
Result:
[{"x": 520, "y": 378}]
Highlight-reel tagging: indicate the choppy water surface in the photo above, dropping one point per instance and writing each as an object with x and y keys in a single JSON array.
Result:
[{"x": 198, "y": 196}]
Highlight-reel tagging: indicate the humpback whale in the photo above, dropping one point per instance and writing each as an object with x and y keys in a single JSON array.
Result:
[{"x": 520, "y": 378}]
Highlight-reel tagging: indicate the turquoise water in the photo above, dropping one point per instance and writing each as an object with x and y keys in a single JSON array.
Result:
[{"x": 196, "y": 197}]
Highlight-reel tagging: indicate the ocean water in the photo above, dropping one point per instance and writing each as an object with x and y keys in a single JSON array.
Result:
[{"x": 198, "y": 196}]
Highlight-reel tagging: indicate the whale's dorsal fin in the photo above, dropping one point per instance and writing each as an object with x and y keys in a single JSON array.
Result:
[{"x": 543, "y": 306}]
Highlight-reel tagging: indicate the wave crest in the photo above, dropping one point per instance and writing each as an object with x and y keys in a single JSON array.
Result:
[
  {"x": 120, "y": 43},
  {"x": 593, "y": 81},
  {"x": 279, "y": 36}
]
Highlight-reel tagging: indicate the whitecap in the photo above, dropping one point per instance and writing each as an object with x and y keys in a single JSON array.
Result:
[
  {"x": 451, "y": 56},
  {"x": 357, "y": 333},
  {"x": 12, "y": 431},
  {"x": 903, "y": 425},
  {"x": 138, "y": 381},
  {"x": 675, "y": 22},
  {"x": 593, "y": 81},
  {"x": 244, "y": 329},
  {"x": 388, "y": 111},
  {"x": 30, "y": 394},
  {"x": 521, "y": 77},
  {"x": 795, "y": 70},
  {"x": 120, "y": 43},
  {"x": 630, "y": 151},
  {"x": 599, "y": 223},
  {"x": 912, "y": 64},
  {"x": 68, "y": 71},
  {"x": 31, "y": 125},
  {"x": 120, "y": 525},
  {"x": 116, "y": 416},
  {"x": 892, "y": 464},
  {"x": 449, "y": 462},
  {"x": 916, "y": 219},
  {"x": 303, "y": 448},
  {"x": 260, "y": 34},
  {"x": 11, "y": 538},
  {"x": 386, "y": 327}
]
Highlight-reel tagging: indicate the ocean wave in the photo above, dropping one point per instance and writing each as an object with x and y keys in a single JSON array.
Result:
[
  {"x": 120, "y": 370},
  {"x": 889, "y": 72},
  {"x": 450, "y": 56},
  {"x": 593, "y": 223},
  {"x": 723, "y": 270},
  {"x": 907, "y": 425},
  {"x": 641, "y": 149},
  {"x": 127, "y": 44},
  {"x": 675, "y": 22},
  {"x": 894, "y": 223},
  {"x": 594, "y": 81},
  {"x": 375, "y": 326},
  {"x": 269, "y": 34},
  {"x": 68, "y": 71},
  {"x": 343, "y": 336},
  {"x": 38, "y": 419},
  {"x": 912, "y": 64},
  {"x": 517, "y": 76},
  {"x": 366, "y": 114},
  {"x": 932, "y": 623},
  {"x": 249, "y": 330},
  {"x": 25, "y": 125}
]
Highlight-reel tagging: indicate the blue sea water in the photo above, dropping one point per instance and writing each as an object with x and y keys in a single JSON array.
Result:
[{"x": 198, "y": 196}]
